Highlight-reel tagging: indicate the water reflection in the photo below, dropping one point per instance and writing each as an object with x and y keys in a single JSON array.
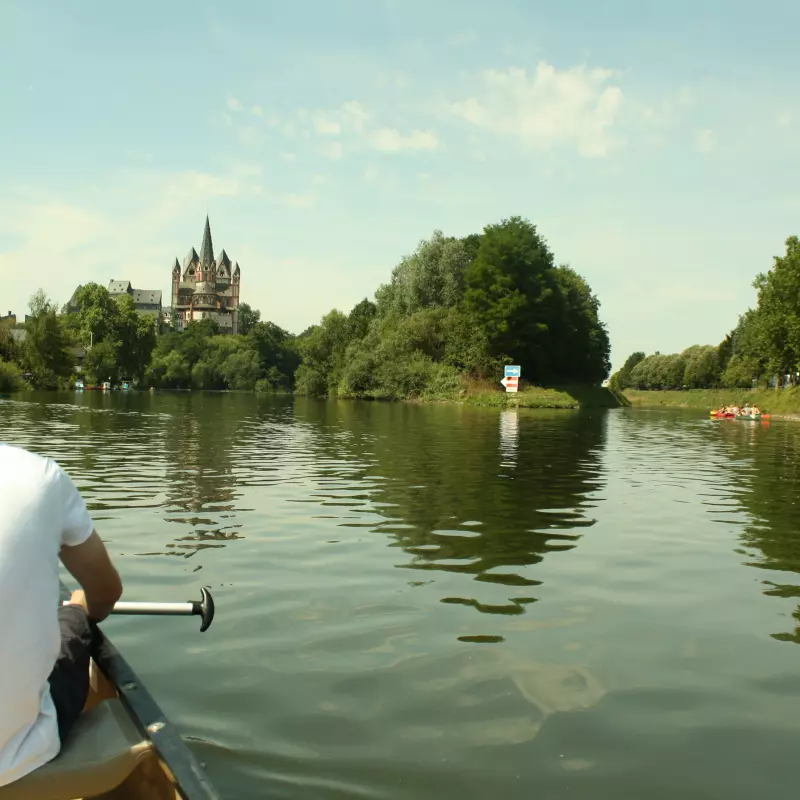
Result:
[{"x": 430, "y": 490}]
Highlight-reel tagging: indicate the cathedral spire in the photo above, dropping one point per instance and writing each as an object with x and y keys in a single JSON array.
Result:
[{"x": 206, "y": 249}]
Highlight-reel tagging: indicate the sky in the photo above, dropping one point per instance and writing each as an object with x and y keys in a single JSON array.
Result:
[{"x": 656, "y": 146}]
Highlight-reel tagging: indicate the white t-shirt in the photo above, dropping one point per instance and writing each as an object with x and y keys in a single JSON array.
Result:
[{"x": 40, "y": 510}]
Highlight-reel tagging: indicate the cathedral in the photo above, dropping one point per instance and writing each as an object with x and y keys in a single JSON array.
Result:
[{"x": 206, "y": 288}]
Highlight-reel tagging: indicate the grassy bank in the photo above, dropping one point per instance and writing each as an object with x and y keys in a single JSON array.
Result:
[
  {"x": 485, "y": 394},
  {"x": 785, "y": 402}
]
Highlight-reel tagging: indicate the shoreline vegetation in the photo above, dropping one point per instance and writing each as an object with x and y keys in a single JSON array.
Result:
[
  {"x": 759, "y": 358},
  {"x": 778, "y": 403},
  {"x": 452, "y": 315}
]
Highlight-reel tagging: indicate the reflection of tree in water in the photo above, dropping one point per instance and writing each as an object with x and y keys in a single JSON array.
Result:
[
  {"x": 202, "y": 432},
  {"x": 445, "y": 481},
  {"x": 768, "y": 473}
]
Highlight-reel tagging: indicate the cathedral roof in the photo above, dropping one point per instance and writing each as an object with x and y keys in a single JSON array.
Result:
[
  {"x": 190, "y": 257},
  {"x": 207, "y": 248},
  {"x": 223, "y": 259}
]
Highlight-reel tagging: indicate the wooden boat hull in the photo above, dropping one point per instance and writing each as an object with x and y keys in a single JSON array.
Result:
[{"x": 122, "y": 748}]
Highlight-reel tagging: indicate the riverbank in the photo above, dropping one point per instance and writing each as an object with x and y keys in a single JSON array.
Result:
[
  {"x": 781, "y": 403},
  {"x": 565, "y": 397}
]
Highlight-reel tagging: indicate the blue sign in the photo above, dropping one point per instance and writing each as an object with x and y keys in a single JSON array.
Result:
[{"x": 513, "y": 371}]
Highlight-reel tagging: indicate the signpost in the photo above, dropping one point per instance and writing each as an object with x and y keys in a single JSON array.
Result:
[{"x": 511, "y": 378}]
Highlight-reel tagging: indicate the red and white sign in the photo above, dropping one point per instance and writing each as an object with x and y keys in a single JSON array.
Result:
[{"x": 511, "y": 382}]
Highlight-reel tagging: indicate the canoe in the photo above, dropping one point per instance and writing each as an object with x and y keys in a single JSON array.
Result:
[
  {"x": 746, "y": 417},
  {"x": 121, "y": 748}
]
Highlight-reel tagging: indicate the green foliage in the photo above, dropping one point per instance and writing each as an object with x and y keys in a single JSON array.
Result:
[
  {"x": 621, "y": 379},
  {"x": 248, "y": 317},
  {"x": 200, "y": 358},
  {"x": 101, "y": 363},
  {"x": 702, "y": 367},
  {"x": 543, "y": 317},
  {"x": 46, "y": 353},
  {"x": 458, "y": 308},
  {"x": 10, "y": 377},
  {"x": 126, "y": 338},
  {"x": 432, "y": 277}
]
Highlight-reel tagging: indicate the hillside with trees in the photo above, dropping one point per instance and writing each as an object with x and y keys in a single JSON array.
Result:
[{"x": 453, "y": 311}]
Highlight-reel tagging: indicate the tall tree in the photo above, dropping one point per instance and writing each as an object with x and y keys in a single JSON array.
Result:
[
  {"x": 433, "y": 276},
  {"x": 580, "y": 338},
  {"x": 512, "y": 291},
  {"x": 778, "y": 299},
  {"x": 248, "y": 317},
  {"x": 47, "y": 354}
]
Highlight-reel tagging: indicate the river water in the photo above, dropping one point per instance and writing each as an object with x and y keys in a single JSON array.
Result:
[{"x": 421, "y": 601}]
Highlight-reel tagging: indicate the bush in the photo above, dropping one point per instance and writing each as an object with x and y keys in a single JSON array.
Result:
[{"x": 10, "y": 377}]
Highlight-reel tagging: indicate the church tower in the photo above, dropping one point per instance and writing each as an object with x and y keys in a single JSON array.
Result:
[{"x": 205, "y": 288}]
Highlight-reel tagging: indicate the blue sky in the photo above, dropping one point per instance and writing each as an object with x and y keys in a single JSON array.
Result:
[{"x": 655, "y": 145}]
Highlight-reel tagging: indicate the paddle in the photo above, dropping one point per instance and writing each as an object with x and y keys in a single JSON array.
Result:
[{"x": 203, "y": 608}]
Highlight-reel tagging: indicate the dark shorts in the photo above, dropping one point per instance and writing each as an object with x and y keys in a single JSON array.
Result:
[{"x": 69, "y": 680}]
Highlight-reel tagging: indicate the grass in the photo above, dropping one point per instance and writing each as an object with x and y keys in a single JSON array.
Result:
[
  {"x": 782, "y": 402},
  {"x": 483, "y": 393}
]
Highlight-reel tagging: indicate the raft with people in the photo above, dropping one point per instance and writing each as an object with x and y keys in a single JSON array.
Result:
[{"x": 744, "y": 412}]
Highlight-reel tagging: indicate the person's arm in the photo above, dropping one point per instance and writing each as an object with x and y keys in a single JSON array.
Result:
[{"x": 90, "y": 564}]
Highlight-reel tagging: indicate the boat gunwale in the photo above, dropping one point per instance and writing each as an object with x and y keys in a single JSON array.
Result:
[{"x": 190, "y": 780}]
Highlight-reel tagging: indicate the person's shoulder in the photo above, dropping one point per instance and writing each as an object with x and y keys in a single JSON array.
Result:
[{"x": 16, "y": 460}]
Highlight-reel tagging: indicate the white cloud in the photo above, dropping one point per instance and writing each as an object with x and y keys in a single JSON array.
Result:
[
  {"x": 669, "y": 110},
  {"x": 355, "y": 115},
  {"x": 784, "y": 119},
  {"x": 576, "y": 106},
  {"x": 370, "y": 175},
  {"x": 257, "y": 111},
  {"x": 325, "y": 126},
  {"x": 300, "y": 200},
  {"x": 234, "y": 104},
  {"x": 115, "y": 233},
  {"x": 288, "y": 157},
  {"x": 705, "y": 141},
  {"x": 390, "y": 140},
  {"x": 318, "y": 180},
  {"x": 332, "y": 150}
]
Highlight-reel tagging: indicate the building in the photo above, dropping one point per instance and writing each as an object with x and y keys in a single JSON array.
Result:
[
  {"x": 8, "y": 319},
  {"x": 206, "y": 288},
  {"x": 146, "y": 301}
]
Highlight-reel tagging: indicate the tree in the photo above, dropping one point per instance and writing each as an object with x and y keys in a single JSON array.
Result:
[
  {"x": 778, "y": 317},
  {"x": 47, "y": 354},
  {"x": 101, "y": 363},
  {"x": 248, "y": 317},
  {"x": 580, "y": 338},
  {"x": 135, "y": 338},
  {"x": 702, "y": 369},
  {"x": 512, "y": 292},
  {"x": 433, "y": 276},
  {"x": 622, "y": 378}
]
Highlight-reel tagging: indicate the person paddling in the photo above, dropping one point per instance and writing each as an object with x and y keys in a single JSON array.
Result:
[{"x": 44, "y": 664}]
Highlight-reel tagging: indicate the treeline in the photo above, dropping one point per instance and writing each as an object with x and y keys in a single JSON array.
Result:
[
  {"x": 456, "y": 308},
  {"x": 763, "y": 347}
]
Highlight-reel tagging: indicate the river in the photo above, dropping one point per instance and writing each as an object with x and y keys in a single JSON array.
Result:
[{"x": 436, "y": 601}]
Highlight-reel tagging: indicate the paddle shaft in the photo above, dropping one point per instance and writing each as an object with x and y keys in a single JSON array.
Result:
[
  {"x": 167, "y": 609},
  {"x": 202, "y": 608}
]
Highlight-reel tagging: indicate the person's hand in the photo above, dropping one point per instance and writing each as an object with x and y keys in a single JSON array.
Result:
[{"x": 78, "y": 598}]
